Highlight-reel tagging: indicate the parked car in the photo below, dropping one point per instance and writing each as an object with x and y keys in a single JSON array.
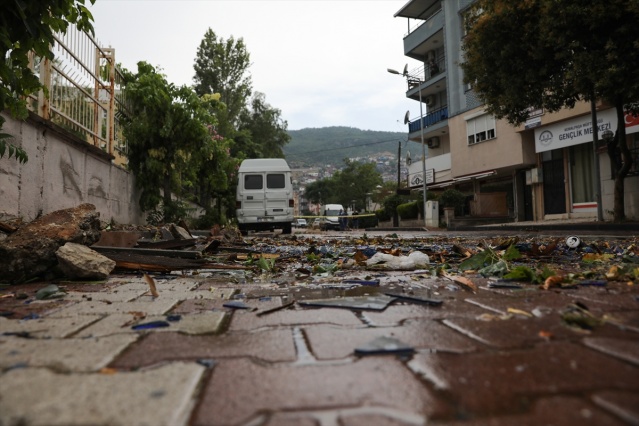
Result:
[
  {"x": 299, "y": 223},
  {"x": 316, "y": 223}
]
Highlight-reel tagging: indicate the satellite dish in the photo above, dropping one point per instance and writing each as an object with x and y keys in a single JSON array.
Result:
[
  {"x": 406, "y": 117},
  {"x": 405, "y": 73}
]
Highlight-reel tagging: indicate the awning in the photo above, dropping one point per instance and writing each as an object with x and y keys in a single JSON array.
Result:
[{"x": 475, "y": 176}]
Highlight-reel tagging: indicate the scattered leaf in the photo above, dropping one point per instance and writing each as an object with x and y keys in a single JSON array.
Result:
[{"x": 151, "y": 282}]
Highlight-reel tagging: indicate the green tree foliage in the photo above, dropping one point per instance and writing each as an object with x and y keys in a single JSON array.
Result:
[
  {"x": 552, "y": 53},
  {"x": 266, "y": 128},
  {"x": 352, "y": 183},
  {"x": 26, "y": 26},
  {"x": 221, "y": 67},
  {"x": 168, "y": 138}
]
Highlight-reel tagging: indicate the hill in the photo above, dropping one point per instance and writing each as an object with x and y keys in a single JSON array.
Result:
[{"x": 330, "y": 145}]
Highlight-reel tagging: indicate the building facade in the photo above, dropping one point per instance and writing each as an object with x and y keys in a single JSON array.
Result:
[{"x": 511, "y": 173}]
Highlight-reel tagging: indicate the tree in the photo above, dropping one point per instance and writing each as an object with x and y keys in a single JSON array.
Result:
[
  {"x": 168, "y": 137},
  {"x": 29, "y": 26},
  {"x": 220, "y": 67},
  {"x": 552, "y": 53},
  {"x": 266, "y": 127},
  {"x": 352, "y": 183}
]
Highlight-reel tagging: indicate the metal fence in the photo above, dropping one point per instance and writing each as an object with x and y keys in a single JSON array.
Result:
[{"x": 83, "y": 91}]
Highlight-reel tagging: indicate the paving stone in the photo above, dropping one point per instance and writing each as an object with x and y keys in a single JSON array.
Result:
[
  {"x": 625, "y": 349},
  {"x": 553, "y": 411},
  {"x": 161, "y": 396},
  {"x": 489, "y": 383},
  {"x": 549, "y": 302},
  {"x": 76, "y": 355},
  {"x": 398, "y": 312},
  {"x": 330, "y": 342},
  {"x": 623, "y": 404},
  {"x": 624, "y": 299},
  {"x": 49, "y": 327},
  {"x": 267, "y": 345},
  {"x": 195, "y": 323},
  {"x": 150, "y": 306},
  {"x": 294, "y": 316},
  {"x": 121, "y": 293},
  {"x": 290, "y": 419},
  {"x": 372, "y": 382},
  {"x": 522, "y": 332}
]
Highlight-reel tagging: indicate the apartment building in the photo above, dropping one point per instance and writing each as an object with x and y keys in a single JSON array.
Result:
[{"x": 510, "y": 173}]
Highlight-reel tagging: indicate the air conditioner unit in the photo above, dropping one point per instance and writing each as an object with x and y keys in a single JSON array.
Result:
[
  {"x": 430, "y": 100},
  {"x": 433, "y": 142}
]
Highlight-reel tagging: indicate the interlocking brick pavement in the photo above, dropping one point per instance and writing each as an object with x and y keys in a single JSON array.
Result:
[{"x": 494, "y": 357}]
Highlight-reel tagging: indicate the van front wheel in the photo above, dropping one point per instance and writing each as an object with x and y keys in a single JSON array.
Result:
[{"x": 287, "y": 229}]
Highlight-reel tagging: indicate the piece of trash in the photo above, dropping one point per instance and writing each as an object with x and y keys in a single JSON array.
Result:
[
  {"x": 151, "y": 282},
  {"x": 208, "y": 363},
  {"x": 375, "y": 303},
  {"x": 594, "y": 283},
  {"x": 236, "y": 304},
  {"x": 519, "y": 312},
  {"x": 414, "y": 260},
  {"x": 51, "y": 291},
  {"x": 173, "y": 318},
  {"x": 363, "y": 282},
  {"x": 504, "y": 285},
  {"x": 431, "y": 302},
  {"x": 151, "y": 325},
  {"x": 573, "y": 242},
  {"x": 278, "y": 308},
  {"x": 385, "y": 345},
  {"x": 31, "y": 316}
]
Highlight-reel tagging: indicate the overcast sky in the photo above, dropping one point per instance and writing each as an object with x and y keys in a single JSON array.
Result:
[{"x": 321, "y": 62}]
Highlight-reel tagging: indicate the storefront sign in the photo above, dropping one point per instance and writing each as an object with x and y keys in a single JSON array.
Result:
[
  {"x": 417, "y": 179},
  {"x": 573, "y": 132}
]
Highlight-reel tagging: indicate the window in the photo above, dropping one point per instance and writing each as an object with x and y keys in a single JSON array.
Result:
[
  {"x": 253, "y": 182},
  {"x": 480, "y": 129},
  {"x": 275, "y": 181}
]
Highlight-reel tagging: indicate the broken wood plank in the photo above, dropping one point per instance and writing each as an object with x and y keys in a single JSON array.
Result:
[
  {"x": 166, "y": 244},
  {"x": 183, "y": 254}
]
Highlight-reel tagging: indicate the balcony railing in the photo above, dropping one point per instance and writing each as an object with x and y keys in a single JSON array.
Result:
[{"x": 429, "y": 119}]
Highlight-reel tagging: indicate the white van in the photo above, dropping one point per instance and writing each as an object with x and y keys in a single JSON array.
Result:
[
  {"x": 330, "y": 216},
  {"x": 264, "y": 198}
]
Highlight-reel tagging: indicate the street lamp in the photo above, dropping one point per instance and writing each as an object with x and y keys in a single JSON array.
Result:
[{"x": 421, "y": 130}]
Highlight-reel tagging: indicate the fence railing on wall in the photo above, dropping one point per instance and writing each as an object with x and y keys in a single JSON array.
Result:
[{"x": 84, "y": 91}]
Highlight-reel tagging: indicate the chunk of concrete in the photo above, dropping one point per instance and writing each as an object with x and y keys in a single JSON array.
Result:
[{"x": 80, "y": 262}]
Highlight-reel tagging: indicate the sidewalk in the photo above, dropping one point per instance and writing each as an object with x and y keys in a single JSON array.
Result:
[{"x": 494, "y": 357}]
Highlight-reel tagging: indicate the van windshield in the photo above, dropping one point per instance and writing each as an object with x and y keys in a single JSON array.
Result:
[{"x": 332, "y": 213}]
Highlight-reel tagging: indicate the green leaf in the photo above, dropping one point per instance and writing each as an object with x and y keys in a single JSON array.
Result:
[
  {"x": 480, "y": 260},
  {"x": 512, "y": 253},
  {"x": 497, "y": 269},
  {"x": 520, "y": 273}
]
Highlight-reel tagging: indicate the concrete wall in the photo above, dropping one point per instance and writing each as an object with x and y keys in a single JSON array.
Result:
[{"x": 63, "y": 172}]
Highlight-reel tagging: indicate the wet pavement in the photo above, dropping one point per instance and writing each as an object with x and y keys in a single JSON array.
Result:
[{"x": 220, "y": 347}]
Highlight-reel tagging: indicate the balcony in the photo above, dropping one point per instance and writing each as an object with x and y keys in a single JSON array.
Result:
[
  {"x": 428, "y": 36},
  {"x": 430, "y": 119}
]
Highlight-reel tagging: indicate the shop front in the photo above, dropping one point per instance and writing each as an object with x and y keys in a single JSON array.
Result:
[{"x": 567, "y": 160}]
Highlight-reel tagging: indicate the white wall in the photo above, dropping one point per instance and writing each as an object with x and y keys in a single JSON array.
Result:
[{"x": 63, "y": 172}]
